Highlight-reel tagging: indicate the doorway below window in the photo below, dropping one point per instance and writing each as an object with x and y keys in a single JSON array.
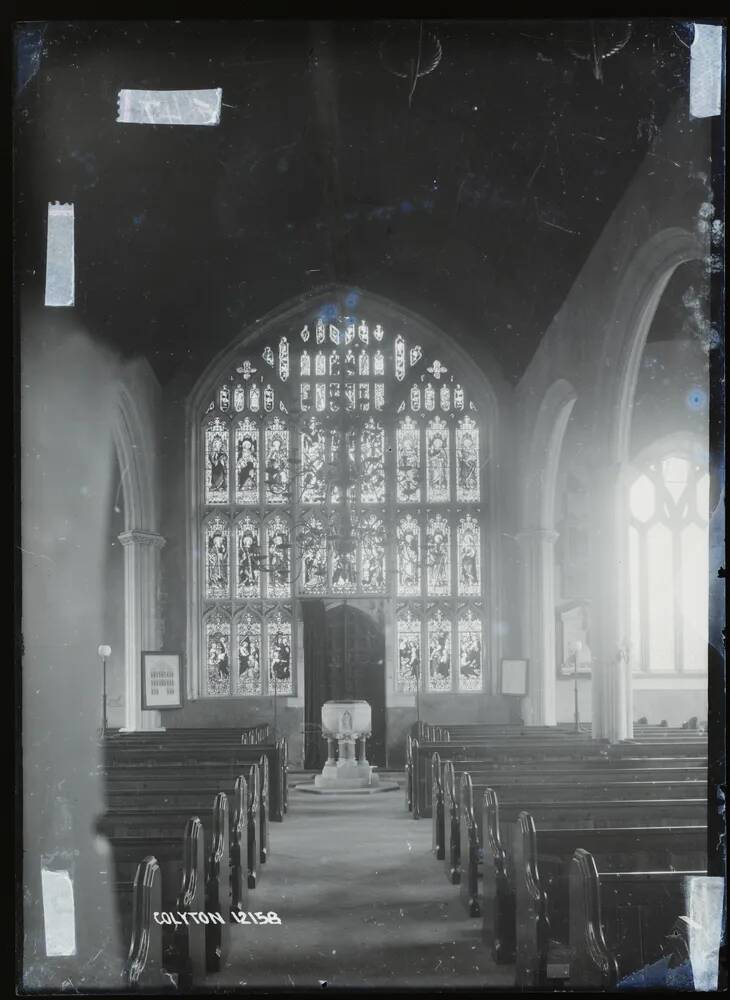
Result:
[{"x": 346, "y": 662}]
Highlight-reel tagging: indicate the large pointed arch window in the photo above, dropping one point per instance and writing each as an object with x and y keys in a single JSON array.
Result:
[
  {"x": 668, "y": 563},
  {"x": 341, "y": 460}
]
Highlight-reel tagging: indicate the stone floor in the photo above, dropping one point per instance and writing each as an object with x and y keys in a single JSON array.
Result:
[{"x": 362, "y": 902}]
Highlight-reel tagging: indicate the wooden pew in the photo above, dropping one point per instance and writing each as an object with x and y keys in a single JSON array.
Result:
[
  {"x": 521, "y": 773},
  {"x": 556, "y": 753},
  {"x": 462, "y": 862},
  {"x": 527, "y": 749},
  {"x": 659, "y": 748},
  {"x": 209, "y": 885},
  {"x": 239, "y": 847},
  {"x": 198, "y": 943},
  {"x": 254, "y": 825},
  {"x": 147, "y": 790},
  {"x": 498, "y": 883},
  {"x": 541, "y": 861},
  {"x": 619, "y": 921},
  {"x": 123, "y": 760},
  {"x": 260, "y": 734},
  {"x": 189, "y": 936},
  {"x": 133, "y": 829},
  {"x": 218, "y": 886},
  {"x": 144, "y": 970}
]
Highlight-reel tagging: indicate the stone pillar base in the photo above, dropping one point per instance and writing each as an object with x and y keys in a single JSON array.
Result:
[{"x": 346, "y": 772}]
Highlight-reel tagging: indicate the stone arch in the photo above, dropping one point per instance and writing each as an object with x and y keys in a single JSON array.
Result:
[
  {"x": 537, "y": 539},
  {"x": 134, "y": 435},
  {"x": 637, "y": 297},
  {"x": 132, "y": 442},
  {"x": 489, "y": 388},
  {"x": 492, "y": 384},
  {"x": 544, "y": 453}
]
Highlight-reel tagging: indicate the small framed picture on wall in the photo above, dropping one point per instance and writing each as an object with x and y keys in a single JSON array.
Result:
[
  {"x": 161, "y": 680},
  {"x": 514, "y": 677}
]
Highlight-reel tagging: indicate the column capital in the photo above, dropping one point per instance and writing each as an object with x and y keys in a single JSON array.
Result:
[
  {"x": 538, "y": 535},
  {"x": 138, "y": 537}
]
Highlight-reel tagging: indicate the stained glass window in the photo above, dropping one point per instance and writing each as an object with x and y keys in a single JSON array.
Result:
[
  {"x": 216, "y": 462},
  {"x": 248, "y": 559},
  {"x": 247, "y": 461},
  {"x": 372, "y": 554},
  {"x": 248, "y": 636},
  {"x": 308, "y": 448},
  {"x": 439, "y": 652},
  {"x": 344, "y": 560},
  {"x": 218, "y": 653},
  {"x": 468, "y": 556},
  {"x": 409, "y": 556},
  {"x": 278, "y": 560},
  {"x": 277, "y": 461},
  {"x": 408, "y": 448},
  {"x": 217, "y": 558},
  {"x": 400, "y": 358},
  {"x": 409, "y": 651},
  {"x": 313, "y": 556},
  {"x": 438, "y": 538},
  {"x": 314, "y": 462},
  {"x": 437, "y": 461},
  {"x": 372, "y": 458},
  {"x": 279, "y": 634},
  {"x": 343, "y": 464},
  {"x": 470, "y": 652},
  {"x": 467, "y": 460},
  {"x": 283, "y": 359}
]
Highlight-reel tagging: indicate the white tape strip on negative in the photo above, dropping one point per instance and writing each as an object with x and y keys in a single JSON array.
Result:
[
  {"x": 170, "y": 107},
  {"x": 58, "y": 912},
  {"x": 60, "y": 256},
  {"x": 706, "y": 894},
  {"x": 705, "y": 71}
]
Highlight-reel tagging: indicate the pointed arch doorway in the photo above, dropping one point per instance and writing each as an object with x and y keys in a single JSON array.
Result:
[{"x": 344, "y": 658}]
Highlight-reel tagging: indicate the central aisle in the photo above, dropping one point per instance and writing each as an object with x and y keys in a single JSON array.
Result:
[{"x": 362, "y": 902}]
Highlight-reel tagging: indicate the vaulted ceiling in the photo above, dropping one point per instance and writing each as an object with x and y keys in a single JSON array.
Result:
[{"x": 464, "y": 169}]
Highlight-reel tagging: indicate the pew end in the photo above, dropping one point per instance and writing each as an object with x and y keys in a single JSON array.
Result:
[{"x": 144, "y": 970}]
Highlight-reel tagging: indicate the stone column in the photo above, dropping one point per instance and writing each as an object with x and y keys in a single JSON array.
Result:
[
  {"x": 538, "y": 610},
  {"x": 611, "y": 693},
  {"x": 141, "y": 619}
]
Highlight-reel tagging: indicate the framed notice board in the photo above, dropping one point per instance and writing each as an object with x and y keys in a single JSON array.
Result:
[{"x": 161, "y": 680}]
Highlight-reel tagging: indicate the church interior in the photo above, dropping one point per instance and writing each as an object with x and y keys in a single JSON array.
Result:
[{"x": 371, "y": 510}]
